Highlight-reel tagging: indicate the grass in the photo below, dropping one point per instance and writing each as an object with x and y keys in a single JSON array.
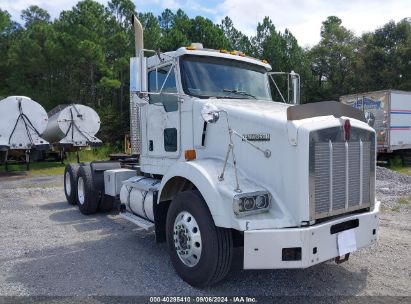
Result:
[
  {"x": 401, "y": 169},
  {"x": 395, "y": 164},
  {"x": 403, "y": 201},
  {"x": 56, "y": 167}
]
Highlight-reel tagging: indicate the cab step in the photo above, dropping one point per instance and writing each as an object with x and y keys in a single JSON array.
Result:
[{"x": 137, "y": 220}]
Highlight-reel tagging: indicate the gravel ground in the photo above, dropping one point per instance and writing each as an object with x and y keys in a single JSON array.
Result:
[{"x": 48, "y": 248}]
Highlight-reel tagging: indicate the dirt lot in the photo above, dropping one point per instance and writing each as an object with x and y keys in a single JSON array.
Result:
[{"x": 48, "y": 248}]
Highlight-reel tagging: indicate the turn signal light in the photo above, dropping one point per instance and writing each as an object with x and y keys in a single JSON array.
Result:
[{"x": 190, "y": 155}]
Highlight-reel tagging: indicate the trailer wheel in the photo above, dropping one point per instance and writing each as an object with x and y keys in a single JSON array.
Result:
[
  {"x": 200, "y": 252},
  {"x": 70, "y": 185},
  {"x": 87, "y": 198}
]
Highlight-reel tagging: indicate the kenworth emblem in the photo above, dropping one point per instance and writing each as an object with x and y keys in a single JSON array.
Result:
[{"x": 257, "y": 137}]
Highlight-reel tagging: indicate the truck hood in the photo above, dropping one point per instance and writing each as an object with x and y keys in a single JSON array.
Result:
[
  {"x": 264, "y": 112},
  {"x": 285, "y": 172}
]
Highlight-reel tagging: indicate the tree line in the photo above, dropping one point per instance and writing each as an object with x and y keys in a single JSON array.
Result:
[{"x": 83, "y": 55}]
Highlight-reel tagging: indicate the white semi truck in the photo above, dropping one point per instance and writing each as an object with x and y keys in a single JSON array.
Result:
[{"x": 222, "y": 167}]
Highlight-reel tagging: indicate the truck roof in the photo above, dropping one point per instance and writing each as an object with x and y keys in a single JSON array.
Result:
[{"x": 233, "y": 55}]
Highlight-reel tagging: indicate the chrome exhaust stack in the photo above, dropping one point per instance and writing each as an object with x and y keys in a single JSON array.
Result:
[
  {"x": 138, "y": 84},
  {"x": 138, "y": 35},
  {"x": 295, "y": 82}
]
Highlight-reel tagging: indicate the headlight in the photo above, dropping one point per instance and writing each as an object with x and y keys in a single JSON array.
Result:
[
  {"x": 251, "y": 203},
  {"x": 262, "y": 201}
]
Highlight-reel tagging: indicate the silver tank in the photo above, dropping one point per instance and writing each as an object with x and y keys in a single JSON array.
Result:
[
  {"x": 74, "y": 125},
  {"x": 22, "y": 121},
  {"x": 137, "y": 194}
]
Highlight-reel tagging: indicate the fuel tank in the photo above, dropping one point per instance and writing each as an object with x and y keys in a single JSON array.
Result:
[{"x": 138, "y": 195}]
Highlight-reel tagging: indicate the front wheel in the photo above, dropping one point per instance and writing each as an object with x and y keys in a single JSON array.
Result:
[{"x": 200, "y": 252}]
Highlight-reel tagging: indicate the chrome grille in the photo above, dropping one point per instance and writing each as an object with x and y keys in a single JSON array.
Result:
[{"x": 342, "y": 174}]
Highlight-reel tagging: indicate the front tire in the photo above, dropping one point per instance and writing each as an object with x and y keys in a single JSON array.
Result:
[
  {"x": 70, "y": 183},
  {"x": 200, "y": 252},
  {"x": 87, "y": 198}
]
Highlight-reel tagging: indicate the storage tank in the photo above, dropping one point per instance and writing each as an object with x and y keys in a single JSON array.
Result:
[
  {"x": 73, "y": 125},
  {"x": 22, "y": 121}
]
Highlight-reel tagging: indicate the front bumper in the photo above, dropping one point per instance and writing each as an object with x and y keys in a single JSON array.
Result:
[{"x": 263, "y": 249}]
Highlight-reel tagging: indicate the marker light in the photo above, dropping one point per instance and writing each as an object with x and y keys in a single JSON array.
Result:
[
  {"x": 347, "y": 129},
  {"x": 190, "y": 155}
]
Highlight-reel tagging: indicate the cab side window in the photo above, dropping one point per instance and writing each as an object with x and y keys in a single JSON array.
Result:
[{"x": 156, "y": 80}]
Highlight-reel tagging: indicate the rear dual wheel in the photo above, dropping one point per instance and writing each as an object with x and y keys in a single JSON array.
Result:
[
  {"x": 70, "y": 180},
  {"x": 80, "y": 189},
  {"x": 200, "y": 252},
  {"x": 87, "y": 198}
]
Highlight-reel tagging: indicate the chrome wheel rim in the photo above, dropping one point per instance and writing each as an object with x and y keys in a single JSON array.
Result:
[
  {"x": 67, "y": 182},
  {"x": 187, "y": 239},
  {"x": 80, "y": 190}
]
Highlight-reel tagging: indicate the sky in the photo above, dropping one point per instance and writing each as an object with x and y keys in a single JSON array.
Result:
[{"x": 303, "y": 18}]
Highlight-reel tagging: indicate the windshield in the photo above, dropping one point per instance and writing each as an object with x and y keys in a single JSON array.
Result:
[{"x": 206, "y": 77}]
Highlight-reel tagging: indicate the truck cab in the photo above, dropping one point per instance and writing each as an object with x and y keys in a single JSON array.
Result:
[{"x": 222, "y": 166}]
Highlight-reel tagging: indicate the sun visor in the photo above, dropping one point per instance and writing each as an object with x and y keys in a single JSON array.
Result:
[{"x": 324, "y": 108}]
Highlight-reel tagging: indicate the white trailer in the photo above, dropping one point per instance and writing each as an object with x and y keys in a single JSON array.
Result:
[
  {"x": 22, "y": 121},
  {"x": 73, "y": 125},
  {"x": 71, "y": 128},
  {"x": 223, "y": 166},
  {"x": 389, "y": 113}
]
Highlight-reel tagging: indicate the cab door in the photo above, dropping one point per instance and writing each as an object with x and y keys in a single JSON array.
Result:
[{"x": 163, "y": 113}]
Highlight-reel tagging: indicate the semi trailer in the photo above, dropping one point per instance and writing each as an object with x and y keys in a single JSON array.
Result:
[
  {"x": 389, "y": 113},
  {"x": 223, "y": 167},
  {"x": 73, "y": 125},
  {"x": 22, "y": 122},
  {"x": 71, "y": 128}
]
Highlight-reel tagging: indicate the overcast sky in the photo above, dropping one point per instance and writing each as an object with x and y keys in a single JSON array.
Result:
[{"x": 303, "y": 17}]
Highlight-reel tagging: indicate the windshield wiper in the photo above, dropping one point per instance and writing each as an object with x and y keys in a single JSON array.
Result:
[{"x": 243, "y": 93}]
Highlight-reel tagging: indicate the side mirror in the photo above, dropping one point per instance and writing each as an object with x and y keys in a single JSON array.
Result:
[{"x": 210, "y": 113}]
